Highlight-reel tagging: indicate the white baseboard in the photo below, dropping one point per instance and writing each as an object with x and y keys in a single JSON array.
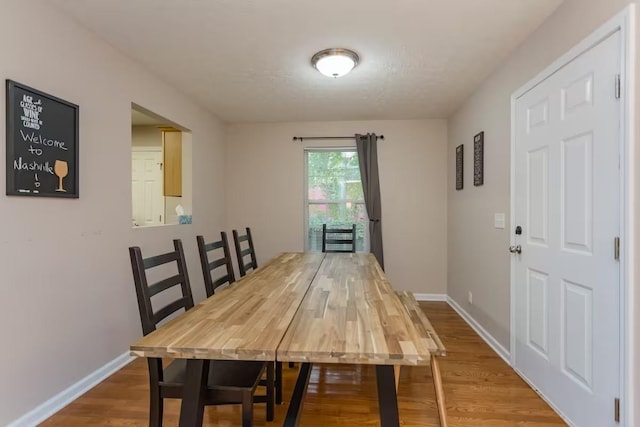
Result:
[
  {"x": 430, "y": 297},
  {"x": 502, "y": 352},
  {"x": 486, "y": 336},
  {"x": 62, "y": 399}
]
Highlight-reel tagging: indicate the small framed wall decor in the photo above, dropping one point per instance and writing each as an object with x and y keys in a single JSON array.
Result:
[
  {"x": 478, "y": 159},
  {"x": 459, "y": 167}
]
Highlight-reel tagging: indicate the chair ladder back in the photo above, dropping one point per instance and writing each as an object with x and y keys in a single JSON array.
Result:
[
  {"x": 144, "y": 291},
  {"x": 242, "y": 253},
  {"x": 208, "y": 266},
  {"x": 328, "y": 240}
]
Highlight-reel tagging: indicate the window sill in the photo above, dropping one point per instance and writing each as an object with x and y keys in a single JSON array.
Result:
[{"x": 138, "y": 227}]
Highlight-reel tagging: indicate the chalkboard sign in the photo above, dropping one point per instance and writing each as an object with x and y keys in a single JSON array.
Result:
[{"x": 42, "y": 144}]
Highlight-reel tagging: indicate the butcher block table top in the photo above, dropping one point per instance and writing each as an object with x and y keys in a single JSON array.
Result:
[
  {"x": 352, "y": 315},
  {"x": 245, "y": 321}
]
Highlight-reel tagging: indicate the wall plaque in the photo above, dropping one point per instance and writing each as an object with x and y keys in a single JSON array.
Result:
[
  {"x": 459, "y": 167},
  {"x": 478, "y": 159}
]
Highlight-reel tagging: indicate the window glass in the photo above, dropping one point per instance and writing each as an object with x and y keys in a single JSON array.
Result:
[{"x": 334, "y": 196}]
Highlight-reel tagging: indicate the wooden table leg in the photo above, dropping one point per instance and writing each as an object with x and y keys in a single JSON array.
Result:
[
  {"x": 437, "y": 384},
  {"x": 387, "y": 397},
  {"x": 192, "y": 408}
]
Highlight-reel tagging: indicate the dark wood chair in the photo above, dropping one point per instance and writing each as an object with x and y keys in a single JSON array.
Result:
[
  {"x": 242, "y": 253},
  {"x": 229, "y": 381},
  {"x": 243, "y": 268},
  {"x": 208, "y": 266},
  {"x": 338, "y": 236}
]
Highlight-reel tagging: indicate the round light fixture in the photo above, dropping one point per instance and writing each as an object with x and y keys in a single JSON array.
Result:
[{"x": 335, "y": 62}]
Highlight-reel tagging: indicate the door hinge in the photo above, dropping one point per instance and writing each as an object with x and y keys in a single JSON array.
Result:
[
  {"x": 618, "y": 86},
  {"x": 616, "y": 410},
  {"x": 616, "y": 248}
]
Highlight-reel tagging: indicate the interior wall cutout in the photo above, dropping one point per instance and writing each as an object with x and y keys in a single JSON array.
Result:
[{"x": 160, "y": 170}]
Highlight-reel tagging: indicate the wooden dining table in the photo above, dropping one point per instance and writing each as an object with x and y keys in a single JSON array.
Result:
[{"x": 300, "y": 307}]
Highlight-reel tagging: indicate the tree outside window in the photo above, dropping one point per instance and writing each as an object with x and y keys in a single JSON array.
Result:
[{"x": 334, "y": 196}]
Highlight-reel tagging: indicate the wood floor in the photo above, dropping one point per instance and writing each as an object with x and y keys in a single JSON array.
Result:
[{"x": 481, "y": 390}]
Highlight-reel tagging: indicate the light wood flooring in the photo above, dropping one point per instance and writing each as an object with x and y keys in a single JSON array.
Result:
[{"x": 480, "y": 389}]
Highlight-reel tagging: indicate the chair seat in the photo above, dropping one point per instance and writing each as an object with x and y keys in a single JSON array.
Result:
[{"x": 222, "y": 373}]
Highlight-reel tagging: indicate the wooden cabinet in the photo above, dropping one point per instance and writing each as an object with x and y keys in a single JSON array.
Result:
[{"x": 172, "y": 143}]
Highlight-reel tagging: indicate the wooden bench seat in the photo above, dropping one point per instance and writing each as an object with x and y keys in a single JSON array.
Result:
[{"x": 421, "y": 322}]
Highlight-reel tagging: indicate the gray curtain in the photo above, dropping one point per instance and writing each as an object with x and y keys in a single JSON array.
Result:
[{"x": 367, "y": 146}]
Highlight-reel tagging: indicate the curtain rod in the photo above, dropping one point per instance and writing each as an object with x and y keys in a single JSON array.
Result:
[{"x": 302, "y": 138}]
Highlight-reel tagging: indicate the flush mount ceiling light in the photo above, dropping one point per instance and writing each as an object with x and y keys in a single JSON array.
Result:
[{"x": 335, "y": 62}]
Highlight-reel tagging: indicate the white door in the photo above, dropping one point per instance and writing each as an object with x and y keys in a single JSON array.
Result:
[
  {"x": 567, "y": 202},
  {"x": 146, "y": 185}
]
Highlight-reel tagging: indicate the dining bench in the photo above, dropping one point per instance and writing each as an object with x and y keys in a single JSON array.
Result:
[{"x": 427, "y": 333}]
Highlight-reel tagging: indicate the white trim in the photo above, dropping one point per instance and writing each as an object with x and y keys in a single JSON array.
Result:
[
  {"x": 512, "y": 237},
  {"x": 627, "y": 192},
  {"x": 335, "y": 201},
  {"x": 312, "y": 147},
  {"x": 62, "y": 399},
  {"x": 305, "y": 208},
  {"x": 616, "y": 23},
  {"x": 146, "y": 149},
  {"x": 627, "y": 228},
  {"x": 484, "y": 334},
  {"x": 625, "y": 23},
  {"x": 430, "y": 297}
]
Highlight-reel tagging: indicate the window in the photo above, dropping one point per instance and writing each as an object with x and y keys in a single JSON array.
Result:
[{"x": 334, "y": 196}]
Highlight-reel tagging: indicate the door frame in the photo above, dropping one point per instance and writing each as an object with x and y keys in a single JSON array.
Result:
[{"x": 624, "y": 22}]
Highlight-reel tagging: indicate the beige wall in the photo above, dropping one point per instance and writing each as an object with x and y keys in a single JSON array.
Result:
[
  {"x": 77, "y": 308},
  {"x": 478, "y": 260},
  {"x": 68, "y": 300},
  {"x": 146, "y": 136},
  {"x": 265, "y": 190}
]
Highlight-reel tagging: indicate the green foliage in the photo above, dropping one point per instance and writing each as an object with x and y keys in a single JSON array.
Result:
[{"x": 334, "y": 177}]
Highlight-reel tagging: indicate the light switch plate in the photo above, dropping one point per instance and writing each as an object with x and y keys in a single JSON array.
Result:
[{"x": 498, "y": 220}]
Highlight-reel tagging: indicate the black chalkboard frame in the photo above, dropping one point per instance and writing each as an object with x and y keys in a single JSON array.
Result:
[{"x": 12, "y": 190}]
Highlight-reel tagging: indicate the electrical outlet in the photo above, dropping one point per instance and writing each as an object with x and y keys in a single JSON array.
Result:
[{"x": 470, "y": 298}]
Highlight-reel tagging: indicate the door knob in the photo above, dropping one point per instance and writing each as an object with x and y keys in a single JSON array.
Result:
[{"x": 517, "y": 249}]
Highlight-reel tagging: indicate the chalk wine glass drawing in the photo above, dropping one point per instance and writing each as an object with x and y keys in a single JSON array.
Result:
[{"x": 61, "y": 169}]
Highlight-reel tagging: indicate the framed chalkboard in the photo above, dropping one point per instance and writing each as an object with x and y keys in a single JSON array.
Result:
[{"x": 42, "y": 144}]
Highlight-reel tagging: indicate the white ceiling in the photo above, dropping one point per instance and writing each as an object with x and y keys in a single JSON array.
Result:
[{"x": 248, "y": 60}]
